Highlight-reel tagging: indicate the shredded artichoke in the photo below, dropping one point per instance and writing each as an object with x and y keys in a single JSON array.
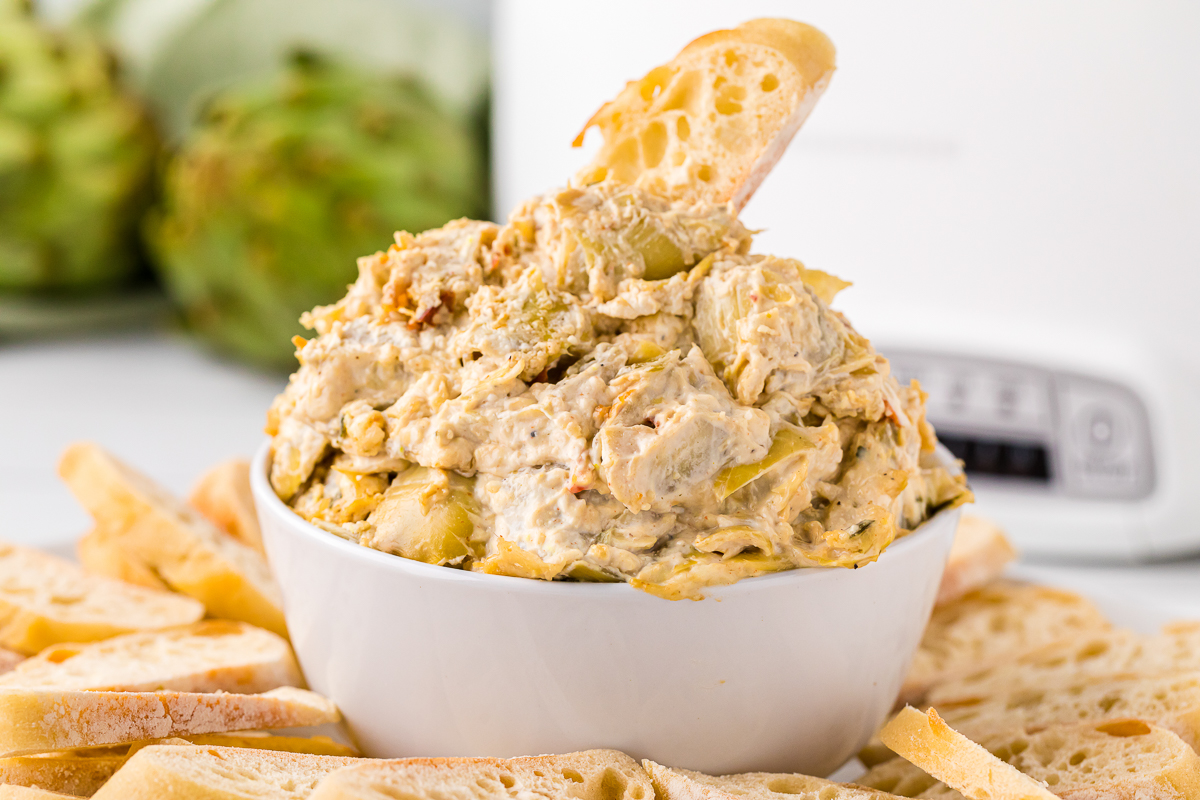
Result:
[{"x": 609, "y": 388}]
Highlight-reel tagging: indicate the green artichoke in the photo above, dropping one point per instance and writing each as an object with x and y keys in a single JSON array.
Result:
[
  {"x": 280, "y": 187},
  {"x": 76, "y": 159}
]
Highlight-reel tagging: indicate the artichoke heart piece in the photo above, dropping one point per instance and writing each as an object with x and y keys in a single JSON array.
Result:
[
  {"x": 586, "y": 573},
  {"x": 512, "y": 560},
  {"x": 734, "y": 539},
  {"x": 644, "y": 352},
  {"x": 786, "y": 445},
  {"x": 686, "y": 580},
  {"x": 426, "y": 515},
  {"x": 661, "y": 257},
  {"x": 825, "y": 286}
]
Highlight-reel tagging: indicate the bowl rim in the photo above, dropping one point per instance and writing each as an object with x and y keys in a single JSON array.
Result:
[{"x": 261, "y": 490}]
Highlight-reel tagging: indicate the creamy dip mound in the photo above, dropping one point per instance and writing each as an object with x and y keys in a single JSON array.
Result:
[{"x": 610, "y": 387}]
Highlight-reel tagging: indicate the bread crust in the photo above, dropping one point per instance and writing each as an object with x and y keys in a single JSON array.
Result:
[
  {"x": 218, "y": 773},
  {"x": 679, "y": 784},
  {"x": 208, "y": 656},
  {"x": 172, "y": 539},
  {"x": 978, "y": 556},
  {"x": 587, "y": 775},
  {"x": 46, "y": 600},
  {"x": 100, "y": 554},
  {"x": 223, "y": 495},
  {"x": 1125, "y": 758},
  {"x": 44, "y": 720},
  {"x": 931, "y": 744}
]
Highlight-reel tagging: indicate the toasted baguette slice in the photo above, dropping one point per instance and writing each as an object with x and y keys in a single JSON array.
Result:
[
  {"x": 209, "y": 656},
  {"x": 931, "y": 744},
  {"x": 679, "y": 784},
  {"x": 978, "y": 556},
  {"x": 223, "y": 495},
  {"x": 82, "y": 772},
  {"x": 100, "y": 554},
  {"x": 997, "y": 623},
  {"x": 72, "y": 772},
  {"x": 709, "y": 124},
  {"x": 261, "y": 740},
  {"x": 9, "y": 660},
  {"x": 37, "y": 721},
  {"x": 166, "y": 772},
  {"x": 1104, "y": 654},
  {"x": 1117, "y": 758},
  {"x": 183, "y": 548},
  {"x": 45, "y": 600},
  {"x": 590, "y": 775},
  {"x": 1171, "y": 702},
  {"x": 29, "y": 793}
]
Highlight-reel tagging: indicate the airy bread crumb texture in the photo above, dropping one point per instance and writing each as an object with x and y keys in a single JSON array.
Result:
[
  {"x": 35, "y": 721},
  {"x": 709, "y": 124},
  {"x": 1102, "y": 654},
  {"x": 589, "y": 775},
  {"x": 208, "y": 656},
  {"x": 1171, "y": 701},
  {"x": 216, "y": 773},
  {"x": 680, "y": 784},
  {"x": 46, "y": 600},
  {"x": 1116, "y": 758},
  {"x": 71, "y": 772},
  {"x": 995, "y": 624}
]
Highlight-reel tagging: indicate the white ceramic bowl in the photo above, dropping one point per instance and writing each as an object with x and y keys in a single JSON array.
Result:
[{"x": 785, "y": 672}]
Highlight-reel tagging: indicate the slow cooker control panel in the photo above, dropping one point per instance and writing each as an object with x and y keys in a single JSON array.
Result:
[{"x": 1035, "y": 429}]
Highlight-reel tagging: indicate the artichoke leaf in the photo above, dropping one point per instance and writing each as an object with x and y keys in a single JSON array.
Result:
[
  {"x": 510, "y": 559},
  {"x": 661, "y": 257},
  {"x": 733, "y": 540},
  {"x": 686, "y": 580},
  {"x": 787, "y": 444},
  {"x": 645, "y": 351},
  {"x": 824, "y": 285},
  {"x": 587, "y": 573}
]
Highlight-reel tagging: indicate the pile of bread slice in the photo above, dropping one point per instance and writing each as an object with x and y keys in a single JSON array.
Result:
[
  {"x": 1026, "y": 691},
  {"x": 134, "y": 676},
  {"x": 169, "y": 629}
]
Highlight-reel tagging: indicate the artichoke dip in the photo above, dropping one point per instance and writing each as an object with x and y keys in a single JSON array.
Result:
[{"x": 610, "y": 387}]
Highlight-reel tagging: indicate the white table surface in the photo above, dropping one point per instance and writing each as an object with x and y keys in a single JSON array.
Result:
[{"x": 156, "y": 399}]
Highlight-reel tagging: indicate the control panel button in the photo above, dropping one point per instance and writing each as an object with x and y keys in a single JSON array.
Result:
[
  {"x": 1070, "y": 434},
  {"x": 1106, "y": 452}
]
